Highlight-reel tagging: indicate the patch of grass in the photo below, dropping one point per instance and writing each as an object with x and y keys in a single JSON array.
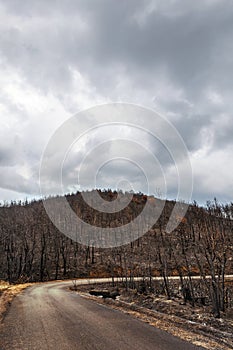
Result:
[{"x": 3, "y": 286}]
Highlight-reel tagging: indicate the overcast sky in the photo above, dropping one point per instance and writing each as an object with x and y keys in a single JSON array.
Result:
[{"x": 60, "y": 57}]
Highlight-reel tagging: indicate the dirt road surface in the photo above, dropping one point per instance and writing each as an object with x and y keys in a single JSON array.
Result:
[{"x": 49, "y": 316}]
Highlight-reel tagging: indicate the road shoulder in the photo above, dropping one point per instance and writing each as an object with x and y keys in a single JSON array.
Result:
[{"x": 192, "y": 332}]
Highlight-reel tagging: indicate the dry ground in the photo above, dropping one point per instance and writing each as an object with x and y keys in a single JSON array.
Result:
[
  {"x": 7, "y": 293},
  {"x": 195, "y": 324}
]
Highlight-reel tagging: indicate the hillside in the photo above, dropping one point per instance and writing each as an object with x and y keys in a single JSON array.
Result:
[{"x": 33, "y": 249}]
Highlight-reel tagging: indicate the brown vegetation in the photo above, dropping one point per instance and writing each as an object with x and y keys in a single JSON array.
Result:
[
  {"x": 7, "y": 293},
  {"x": 194, "y": 324},
  {"x": 32, "y": 249}
]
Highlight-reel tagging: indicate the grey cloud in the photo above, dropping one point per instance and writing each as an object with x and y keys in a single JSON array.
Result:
[
  {"x": 7, "y": 157},
  {"x": 187, "y": 46},
  {"x": 125, "y": 50},
  {"x": 13, "y": 181}
]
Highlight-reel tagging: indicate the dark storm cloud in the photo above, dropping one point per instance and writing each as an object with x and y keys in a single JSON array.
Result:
[{"x": 99, "y": 36}]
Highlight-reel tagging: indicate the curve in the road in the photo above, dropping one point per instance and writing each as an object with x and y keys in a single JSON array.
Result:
[{"x": 48, "y": 316}]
